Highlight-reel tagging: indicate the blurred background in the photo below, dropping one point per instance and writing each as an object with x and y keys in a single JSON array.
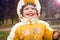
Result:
[{"x": 50, "y": 12}]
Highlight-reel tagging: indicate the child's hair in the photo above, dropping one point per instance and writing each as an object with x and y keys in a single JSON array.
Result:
[{"x": 21, "y": 10}]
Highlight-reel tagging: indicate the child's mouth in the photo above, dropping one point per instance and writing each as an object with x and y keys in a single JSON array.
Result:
[{"x": 30, "y": 14}]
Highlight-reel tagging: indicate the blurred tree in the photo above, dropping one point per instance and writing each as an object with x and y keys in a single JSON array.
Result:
[
  {"x": 2, "y": 8},
  {"x": 12, "y": 7},
  {"x": 8, "y": 10}
]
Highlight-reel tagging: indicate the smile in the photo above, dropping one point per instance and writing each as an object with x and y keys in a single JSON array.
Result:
[{"x": 30, "y": 14}]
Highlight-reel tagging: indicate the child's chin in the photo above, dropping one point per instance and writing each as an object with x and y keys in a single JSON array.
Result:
[{"x": 31, "y": 18}]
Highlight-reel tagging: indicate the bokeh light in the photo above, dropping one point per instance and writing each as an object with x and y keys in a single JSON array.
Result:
[{"x": 58, "y": 1}]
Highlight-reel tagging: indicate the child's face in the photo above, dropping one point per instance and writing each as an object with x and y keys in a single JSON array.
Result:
[{"x": 30, "y": 12}]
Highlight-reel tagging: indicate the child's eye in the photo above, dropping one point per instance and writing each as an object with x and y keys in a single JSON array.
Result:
[
  {"x": 29, "y": 8},
  {"x": 33, "y": 8},
  {"x": 26, "y": 8}
]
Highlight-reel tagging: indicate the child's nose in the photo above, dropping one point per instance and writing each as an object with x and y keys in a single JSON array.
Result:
[{"x": 30, "y": 10}]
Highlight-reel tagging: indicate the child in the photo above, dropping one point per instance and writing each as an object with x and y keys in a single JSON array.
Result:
[{"x": 30, "y": 27}]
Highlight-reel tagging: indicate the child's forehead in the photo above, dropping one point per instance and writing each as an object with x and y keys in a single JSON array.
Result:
[{"x": 28, "y": 6}]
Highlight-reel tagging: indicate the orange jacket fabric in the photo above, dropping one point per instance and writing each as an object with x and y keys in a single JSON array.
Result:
[{"x": 36, "y": 31}]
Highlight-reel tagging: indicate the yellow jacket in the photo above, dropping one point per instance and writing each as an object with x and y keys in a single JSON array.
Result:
[{"x": 39, "y": 30}]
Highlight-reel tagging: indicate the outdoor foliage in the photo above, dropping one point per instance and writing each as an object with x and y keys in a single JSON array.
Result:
[{"x": 3, "y": 35}]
